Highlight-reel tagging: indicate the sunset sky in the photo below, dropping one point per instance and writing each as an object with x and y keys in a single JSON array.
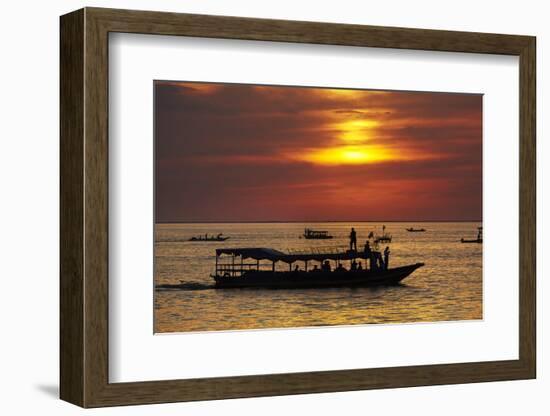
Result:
[{"x": 233, "y": 152}]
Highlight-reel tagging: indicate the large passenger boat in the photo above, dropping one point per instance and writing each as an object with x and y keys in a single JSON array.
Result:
[{"x": 256, "y": 267}]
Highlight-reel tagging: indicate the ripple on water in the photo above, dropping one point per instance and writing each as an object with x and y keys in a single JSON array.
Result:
[{"x": 449, "y": 287}]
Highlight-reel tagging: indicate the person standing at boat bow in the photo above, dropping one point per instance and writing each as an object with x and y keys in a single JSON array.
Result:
[{"x": 352, "y": 240}]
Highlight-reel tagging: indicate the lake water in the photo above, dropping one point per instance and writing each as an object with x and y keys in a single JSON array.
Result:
[{"x": 447, "y": 288}]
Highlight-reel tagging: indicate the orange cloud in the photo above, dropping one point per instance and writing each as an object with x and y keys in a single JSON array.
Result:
[{"x": 292, "y": 153}]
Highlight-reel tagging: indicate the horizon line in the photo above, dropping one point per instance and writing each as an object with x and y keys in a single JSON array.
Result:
[{"x": 298, "y": 221}]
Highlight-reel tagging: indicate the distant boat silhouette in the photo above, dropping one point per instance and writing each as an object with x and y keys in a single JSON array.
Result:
[
  {"x": 415, "y": 230},
  {"x": 206, "y": 238},
  {"x": 310, "y": 234},
  {"x": 479, "y": 238},
  {"x": 383, "y": 238}
]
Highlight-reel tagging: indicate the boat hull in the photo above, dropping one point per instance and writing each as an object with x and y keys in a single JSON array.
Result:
[
  {"x": 208, "y": 240},
  {"x": 477, "y": 241},
  {"x": 303, "y": 279}
]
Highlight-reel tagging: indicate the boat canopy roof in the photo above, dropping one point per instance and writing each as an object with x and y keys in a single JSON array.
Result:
[
  {"x": 259, "y": 253},
  {"x": 276, "y": 255}
]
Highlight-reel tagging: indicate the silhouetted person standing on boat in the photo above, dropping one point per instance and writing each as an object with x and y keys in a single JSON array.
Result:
[
  {"x": 353, "y": 240},
  {"x": 367, "y": 248},
  {"x": 368, "y": 254},
  {"x": 386, "y": 257}
]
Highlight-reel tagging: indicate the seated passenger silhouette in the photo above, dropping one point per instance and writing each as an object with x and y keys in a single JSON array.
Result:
[
  {"x": 376, "y": 261},
  {"x": 367, "y": 248},
  {"x": 386, "y": 257},
  {"x": 326, "y": 266}
]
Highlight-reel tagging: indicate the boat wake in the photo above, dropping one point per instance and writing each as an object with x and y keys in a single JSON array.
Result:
[
  {"x": 185, "y": 286},
  {"x": 172, "y": 240}
]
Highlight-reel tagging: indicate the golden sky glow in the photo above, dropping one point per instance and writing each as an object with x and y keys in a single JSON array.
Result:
[
  {"x": 351, "y": 146},
  {"x": 347, "y": 155},
  {"x": 252, "y": 153}
]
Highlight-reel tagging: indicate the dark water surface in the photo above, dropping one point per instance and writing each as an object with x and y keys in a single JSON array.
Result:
[{"x": 447, "y": 288}]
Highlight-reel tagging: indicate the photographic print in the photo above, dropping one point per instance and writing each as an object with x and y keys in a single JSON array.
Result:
[{"x": 290, "y": 206}]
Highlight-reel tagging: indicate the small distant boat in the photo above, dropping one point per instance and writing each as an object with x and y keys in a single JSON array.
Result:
[
  {"x": 416, "y": 230},
  {"x": 478, "y": 240},
  {"x": 383, "y": 238},
  {"x": 207, "y": 238},
  {"x": 310, "y": 234}
]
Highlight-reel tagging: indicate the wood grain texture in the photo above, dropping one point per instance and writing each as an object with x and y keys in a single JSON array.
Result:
[
  {"x": 224, "y": 27},
  {"x": 527, "y": 207},
  {"x": 71, "y": 99},
  {"x": 84, "y": 207},
  {"x": 96, "y": 219}
]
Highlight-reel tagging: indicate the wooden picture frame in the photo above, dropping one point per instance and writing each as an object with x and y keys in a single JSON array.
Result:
[{"x": 84, "y": 207}]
